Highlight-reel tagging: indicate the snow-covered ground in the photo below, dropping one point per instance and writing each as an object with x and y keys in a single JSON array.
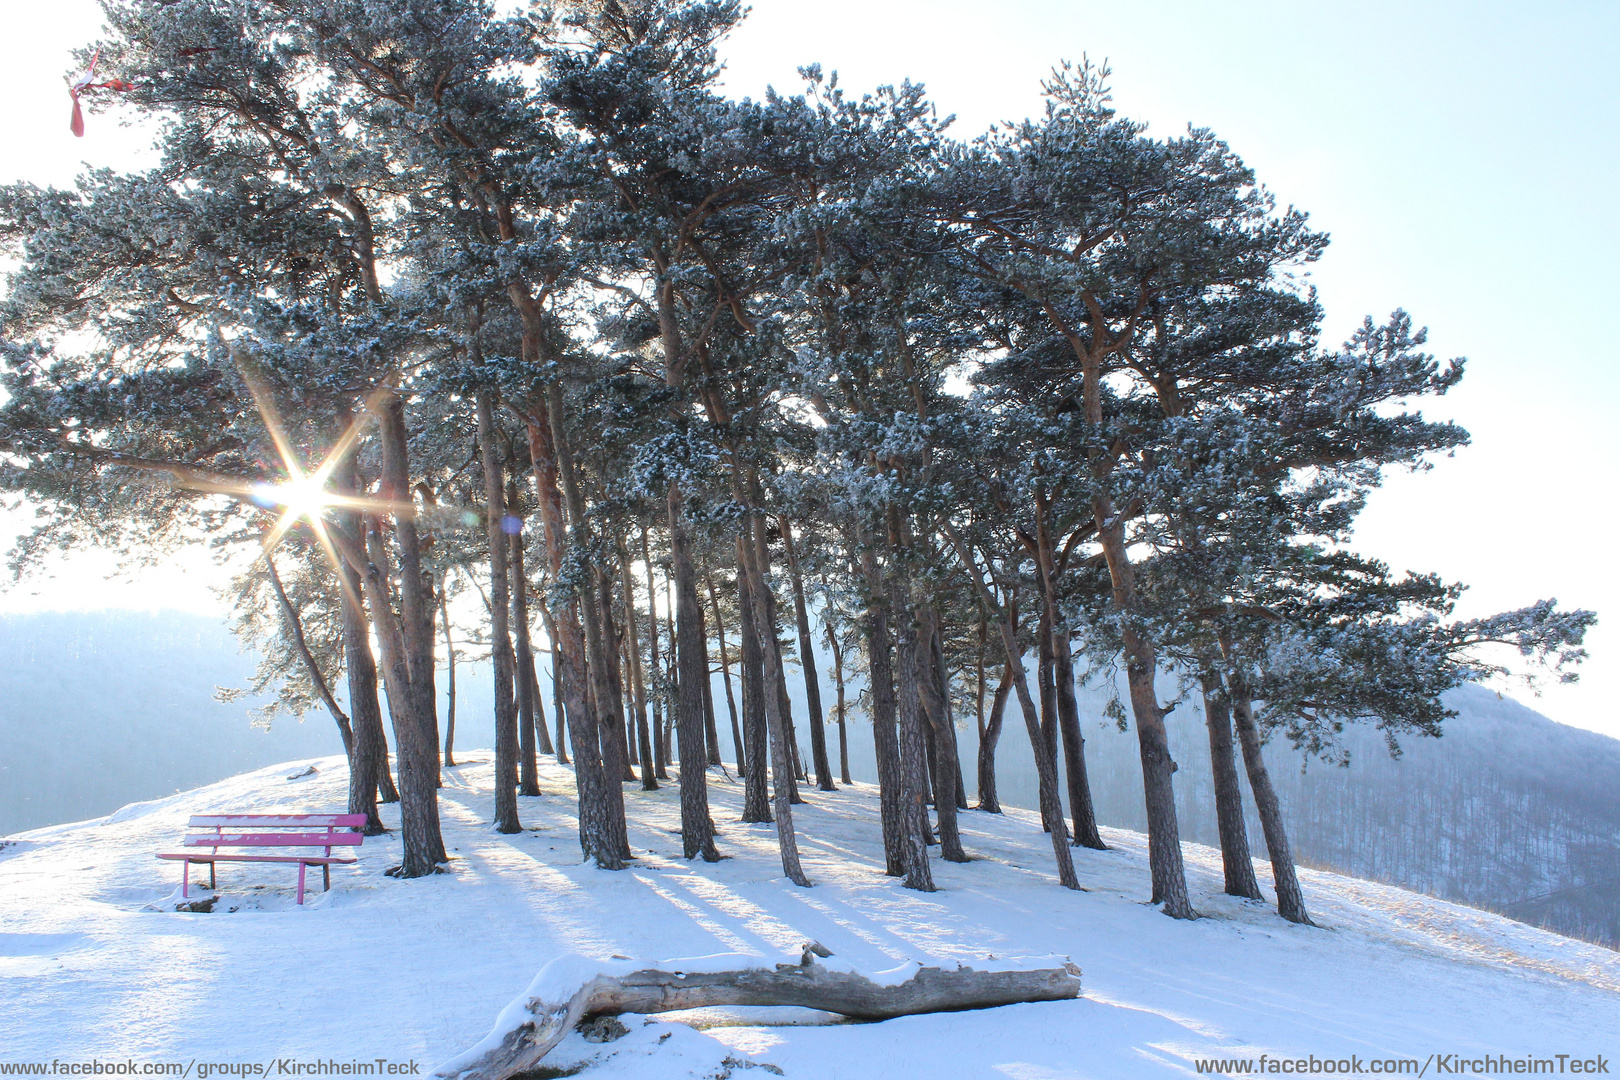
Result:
[{"x": 92, "y": 967}]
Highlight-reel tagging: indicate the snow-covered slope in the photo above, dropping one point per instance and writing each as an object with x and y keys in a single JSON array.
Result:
[{"x": 417, "y": 970}]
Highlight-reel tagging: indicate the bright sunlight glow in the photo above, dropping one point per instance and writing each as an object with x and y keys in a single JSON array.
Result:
[{"x": 301, "y": 496}]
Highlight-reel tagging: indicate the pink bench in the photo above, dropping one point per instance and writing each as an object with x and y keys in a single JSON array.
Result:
[{"x": 270, "y": 831}]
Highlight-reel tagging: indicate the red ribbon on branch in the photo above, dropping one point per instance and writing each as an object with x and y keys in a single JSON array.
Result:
[{"x": 85, "y": 86}]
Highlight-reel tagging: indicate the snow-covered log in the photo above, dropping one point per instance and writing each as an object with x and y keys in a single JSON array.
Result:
[{"x": 573, "y": 988}]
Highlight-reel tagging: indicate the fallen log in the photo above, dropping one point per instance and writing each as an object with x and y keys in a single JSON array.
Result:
[{"x": 572, "y": 989}]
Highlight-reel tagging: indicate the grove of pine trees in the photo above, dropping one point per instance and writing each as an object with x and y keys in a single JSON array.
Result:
[{"x": 427, "y": 298}]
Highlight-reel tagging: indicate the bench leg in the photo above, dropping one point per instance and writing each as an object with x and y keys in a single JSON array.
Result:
[
  {"x": 185, "y": 880},
  {"x": 301, "y": 868},
  {"x": 211, "y": 884},
  {"x": 326, "y": 878}
]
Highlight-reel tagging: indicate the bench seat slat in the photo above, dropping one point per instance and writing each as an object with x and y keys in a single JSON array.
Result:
[
  {"x": 278, "y": 821},
  {"x": 312, "y": 860},
  {"x": 337, "y": 839}
]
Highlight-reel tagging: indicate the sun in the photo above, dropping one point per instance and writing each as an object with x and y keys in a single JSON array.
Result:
[{"x": 301, "y": 496}]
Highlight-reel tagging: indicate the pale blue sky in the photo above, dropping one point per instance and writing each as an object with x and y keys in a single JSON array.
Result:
[{"x": 1462, "y": 156}]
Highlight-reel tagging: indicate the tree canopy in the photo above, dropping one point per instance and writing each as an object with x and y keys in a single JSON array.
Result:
[{"x": 424, "y": 296}]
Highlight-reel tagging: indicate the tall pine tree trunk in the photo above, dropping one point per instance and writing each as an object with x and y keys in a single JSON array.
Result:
[
  {"x": 406, "y": 639},
  {"x": 609, "y": 727},
  {"x": 1290, "y": 898},
  {"x": 660, "y": 738},
  {"x": 527, "y": 686},
  {"x": 557, "y": 708},
  {"x": 370, "y": 745},
  {"x": 749, "y": 491},
  {"x": 807, "y": 661},
  {"x": 387, "y": 791},
  {"x": 559, "y": 711},
  {"x": 725, "y": 675},
  {"x": 1236, "y": 864},
  {"x": 756, "y": 796},
  {"x": 913, "y": 753},
  {"x": 416, "y": 623},
  {"x": 692, "y": 670},
  {"x": 528, "y": 762},
  {"x": 671, "y": 676},
  {"x": 371, "y": 741},
  {"x": 1045, "y": 763},
  {"x": 838, "y": 679},
  {"x": 627, "y": 680},
  {"x": 506, "y": 720},
  {"x": 1164, "y": 837},
  {"x": 1141, "y": 659},
  {"x": 937, "y": 710},
  {"x": 785, "y": 704},
  {"x": 989, "y": 736},
  {"x": 1081, "y": 809},
  {"x": 612, "y": 681},
  {"x": 885, "y": 738},
  {"x": 547, "y": 439},
  {"x": 952, "y": 747},
  {"x": 450, "y": 680},
  {"x": 1153, "y": 742},
  {"x": 1055, "y": 638},
  {"x": 568, "y": 646},
  {"x": 691, "y": 650},
  {"x": 711, "y": 726},
  {"x": 649, "y": 777},
  {"x": 1046, "y": 681},
  {"x": 756, "y": 564},
  {"x": 531, "y": 707}
]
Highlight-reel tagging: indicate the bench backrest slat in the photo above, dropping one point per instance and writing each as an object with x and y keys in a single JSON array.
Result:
[
  {"x": 277, "y": 821},
  {"x": 319, "y": 839}
]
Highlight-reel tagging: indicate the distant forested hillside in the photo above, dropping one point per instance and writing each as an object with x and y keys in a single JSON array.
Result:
[
  {"x": 98, "y": 709},
  {"x": 1508, "y": 811}
]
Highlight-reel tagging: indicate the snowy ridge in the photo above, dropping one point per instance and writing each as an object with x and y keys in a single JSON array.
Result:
[{"x": 422, "y": 966}]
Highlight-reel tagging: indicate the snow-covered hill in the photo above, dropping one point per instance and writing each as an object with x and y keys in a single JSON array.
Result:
[
  {"x": 416, "y": 971},
  {"x": 1509, "y": 811}
]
